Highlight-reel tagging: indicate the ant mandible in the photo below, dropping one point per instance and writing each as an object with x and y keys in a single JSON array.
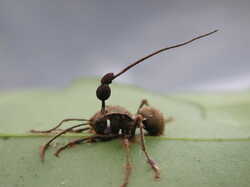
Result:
[{"x": 113, "y": 122}]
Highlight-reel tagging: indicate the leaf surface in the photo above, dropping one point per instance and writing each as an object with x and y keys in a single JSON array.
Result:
[{"x": 207, "y": 143}]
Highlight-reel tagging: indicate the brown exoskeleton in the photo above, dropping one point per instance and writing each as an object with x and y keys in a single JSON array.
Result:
[{"x": 113, "y": 122}]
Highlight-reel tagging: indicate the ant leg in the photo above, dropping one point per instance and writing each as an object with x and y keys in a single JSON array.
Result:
[
  {"x": 71, "y": 144},
  {"x": 143, "y": 102},
  {"x": 93, "y": 138},
  {"x": 151, "y": 162},
  {"x": 57, "y": 126},
  {"x": 44, "y": 147},
  {"x": 71, "y": 131},
  {"x": 80, "y": 130},
  {"x": 128, "y": 166}
]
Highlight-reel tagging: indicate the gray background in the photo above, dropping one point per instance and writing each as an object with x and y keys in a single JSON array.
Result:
[{"x": 49, "y": 43}]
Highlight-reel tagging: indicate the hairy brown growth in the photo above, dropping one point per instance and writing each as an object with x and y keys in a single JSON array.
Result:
[{"x": 116, "y": 122}]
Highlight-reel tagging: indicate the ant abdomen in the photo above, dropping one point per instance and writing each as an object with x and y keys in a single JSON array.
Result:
[{"x": 153, "y": 120}]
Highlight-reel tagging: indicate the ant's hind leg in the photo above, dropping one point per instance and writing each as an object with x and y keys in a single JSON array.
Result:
[
  {"x": 128, "y": 166},
  {"x": 143, "y": 102},
  {"x": 150, "y": 161},
  {"x": 57, "y": 126}
]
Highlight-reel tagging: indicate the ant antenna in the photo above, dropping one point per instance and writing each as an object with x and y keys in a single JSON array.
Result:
[{"x": 103, "y": 92}]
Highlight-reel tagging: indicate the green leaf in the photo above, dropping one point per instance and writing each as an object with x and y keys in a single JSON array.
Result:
[{"x": 207, "y": 144}]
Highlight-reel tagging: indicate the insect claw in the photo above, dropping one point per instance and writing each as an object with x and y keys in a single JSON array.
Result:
[
  {"x": 42, "y": 152},
  {"x": 56, "y": 154},
  {"x": 155, "y": 168}
]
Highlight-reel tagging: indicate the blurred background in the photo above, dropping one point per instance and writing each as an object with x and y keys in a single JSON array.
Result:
[{"x": 50, "y": 43}]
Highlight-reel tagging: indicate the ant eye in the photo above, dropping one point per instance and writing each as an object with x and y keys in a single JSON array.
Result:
[
  {"x": 107, "y": 78},
  {"x": 103, "y": 92}
]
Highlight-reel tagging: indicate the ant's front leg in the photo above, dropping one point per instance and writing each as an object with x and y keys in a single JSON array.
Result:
[
  {"x": 45, "y": 146},
  {"x": 55, "y": 129},
  {"x": 90, "y": 139}
]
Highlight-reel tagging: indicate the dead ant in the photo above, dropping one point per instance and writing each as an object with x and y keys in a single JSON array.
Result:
[{"x": 113, "y": 122}]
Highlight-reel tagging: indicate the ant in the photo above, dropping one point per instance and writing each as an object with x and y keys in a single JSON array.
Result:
[{"x": 113, "y": 122}]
